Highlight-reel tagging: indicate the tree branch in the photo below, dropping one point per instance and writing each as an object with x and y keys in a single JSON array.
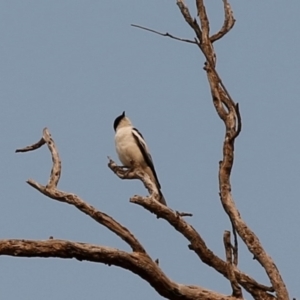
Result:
[
  {"x": 175, "y": 220},
  {"x": 203, "y": 18},
  {"x": 228, "y": 22},
  {"x": 198, "y": 245},
  {"x": 192, "y": 22},
  {"x": 35, "y": 146},
  {"x": 232, "y": 122},
  {"x": 138, "y": 263},
  {"x": 164, "y": 34},
  {"x": 236, "y": 289},
  {"x": 52, "y": 192}
]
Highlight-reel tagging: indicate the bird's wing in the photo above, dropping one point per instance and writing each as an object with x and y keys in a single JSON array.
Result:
[{"x": 145, "y": 151}]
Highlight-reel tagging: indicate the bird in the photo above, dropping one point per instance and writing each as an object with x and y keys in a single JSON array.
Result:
[{"x": 133, "y": 151}]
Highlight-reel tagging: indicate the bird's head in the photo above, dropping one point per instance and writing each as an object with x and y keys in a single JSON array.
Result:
[{"x": 121, "y": 121}]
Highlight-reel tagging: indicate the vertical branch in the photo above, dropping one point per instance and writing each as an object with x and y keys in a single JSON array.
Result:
[
  {"x": 229, "y": 112},
  {"x": 188, "y": 18},
  {"x": 203, "y": 18},
  {"x": 229, "y": 249},
  {"x": 56, "y": 166}
]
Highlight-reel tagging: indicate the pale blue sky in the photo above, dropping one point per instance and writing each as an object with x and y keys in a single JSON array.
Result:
[{"x": 74, "y": 66}]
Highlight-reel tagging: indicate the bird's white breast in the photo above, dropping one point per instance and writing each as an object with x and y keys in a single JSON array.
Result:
[{"x": 126, "y": 147}]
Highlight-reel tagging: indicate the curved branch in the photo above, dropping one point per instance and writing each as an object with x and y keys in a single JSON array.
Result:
[
  {"x": 137, "y": 263},
  {"x": 56, "y": 166},
  {"x": 230, "y": 118},
  {"x": 175, "y": 220},
  {"x": 35, "y": 146},
  {"x": 227, "y": 25},
  {"x": 52, "y": 192}
]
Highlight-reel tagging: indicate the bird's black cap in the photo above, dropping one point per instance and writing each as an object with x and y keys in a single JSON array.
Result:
[{"x": 118, "y": 120}]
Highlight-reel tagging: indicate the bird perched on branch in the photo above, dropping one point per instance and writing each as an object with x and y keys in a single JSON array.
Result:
[{"x": 133, "y": 150}]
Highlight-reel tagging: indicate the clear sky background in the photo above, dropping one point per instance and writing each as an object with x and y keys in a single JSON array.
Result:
[{"x": 73, "y": 66}]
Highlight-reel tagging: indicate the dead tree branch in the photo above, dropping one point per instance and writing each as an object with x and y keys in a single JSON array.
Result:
[
  {"x": 138, "y": 263},
  {"x": 35, "y": 146},
  {"x": 51, "y": 191},
  {"x": 236, "y": 289},
  {"x": 228, "y": 22},
  {"x": 164, "y": 34},
  {"x": 197, "y": 244},
  {"x": 229, "y": 112}
]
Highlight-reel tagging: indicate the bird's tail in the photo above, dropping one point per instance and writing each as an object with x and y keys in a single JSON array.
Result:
[{"x": 162, "y": 199}]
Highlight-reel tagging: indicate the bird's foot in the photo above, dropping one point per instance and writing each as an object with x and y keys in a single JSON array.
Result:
[{"x": 127, "y": 171}]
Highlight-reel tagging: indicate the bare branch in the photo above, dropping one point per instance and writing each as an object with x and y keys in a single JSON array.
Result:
[
  {"x": 137, "y": 263},
  {"x": 35, "y": 146},
  {"x": 197, "y": 243},
  {"x": 174, "y": 219},
  {"x": 203, "y": 18},
  {"x": 52, "y": 192},
  {"x": 89, "y": 210},
  {"x": 235, "y": 247},
  {"x": 183, "y": 214},
  {"x": 236, "y": 289},
  {"x": 56, "y": 168},
  {"x": 221, "y": 97},
  {"x": 228, "y": 22},
  {"x": 187, "y": 16},
  {"x": 164, "y": 34},
  {"x": 228, "y": 246}
]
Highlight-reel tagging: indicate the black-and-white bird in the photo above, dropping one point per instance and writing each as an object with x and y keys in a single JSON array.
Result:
[{"x": 133, "y": 151}]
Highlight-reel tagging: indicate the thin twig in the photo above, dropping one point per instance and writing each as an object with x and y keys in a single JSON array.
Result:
[
  {"x": 35, "y": 146},
  {"x": 183, "y": 214},
  {"x": 164, "y": 34}
]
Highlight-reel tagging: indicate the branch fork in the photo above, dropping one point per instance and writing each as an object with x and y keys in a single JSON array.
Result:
[{"x": 138, "y": 261}]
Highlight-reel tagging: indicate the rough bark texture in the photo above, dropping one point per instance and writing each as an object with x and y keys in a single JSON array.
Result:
[{"x": 138, "y": 261}]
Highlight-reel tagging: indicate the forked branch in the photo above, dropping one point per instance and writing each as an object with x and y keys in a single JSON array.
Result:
[
  {"x": 138, "y": 261},
  {"x": 227, "y": 25},
  {"x": 51, "y": 191},
  {"x": 175, "y": 219},
  {"x": 229, "y": 112}
]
